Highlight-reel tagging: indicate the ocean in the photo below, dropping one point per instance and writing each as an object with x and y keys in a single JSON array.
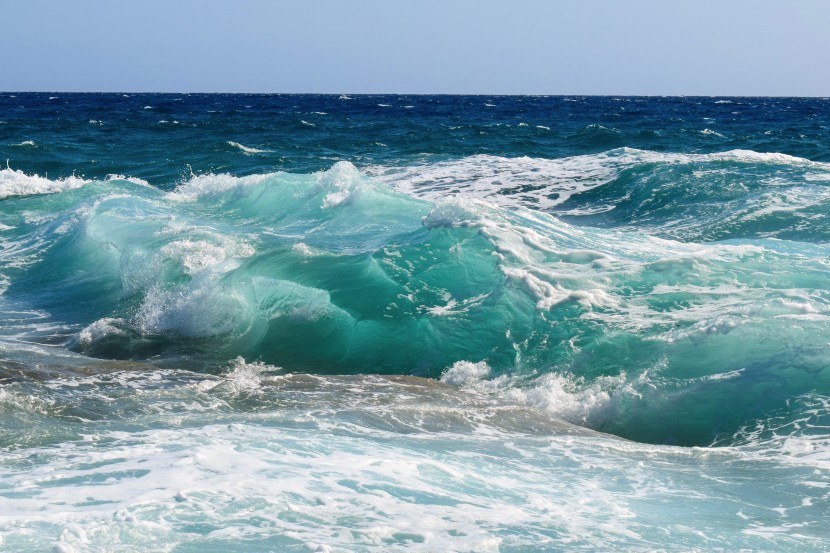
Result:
[{"x": 326, "y": 323}]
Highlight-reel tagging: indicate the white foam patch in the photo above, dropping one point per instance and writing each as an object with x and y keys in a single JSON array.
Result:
[
  {"x": 102, "y": 328},
  {"x": 792, "y": 200},
  {"x": 340, "y": 182},
  {"x": 546, "y": 183},
  {"x": 305, "y": 250},
  {"x": 551, "y": 261},
  {"x": 133, "y": 180},
  {"x": 336, "y": 185},
  {"x": 454, "y": 307},
  {"x": 548, "y": 294},
  {"x": 193, "y": 256},
  {"x": 200, "y": 307},
  {"x": 465, "y": 373},
  {"x": 245, "y": 377},
  {"x": 17, "y": 183},
  {"x": 211, "y": 185},
  {"x": 557, "y": 264},
  {"x": 569, "y": 397},
  {"x": 246, "y": 149}
]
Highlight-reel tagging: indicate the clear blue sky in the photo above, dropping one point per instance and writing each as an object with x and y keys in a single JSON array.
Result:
[{"x": 707, "y": 47}]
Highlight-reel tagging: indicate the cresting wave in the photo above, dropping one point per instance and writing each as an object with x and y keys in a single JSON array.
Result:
[
  {"x": 17, "y": 183},
  {"x": 687, "y": 197},
  {"x": 652, "y": 339},
  {"x": 246, "y": 149}
]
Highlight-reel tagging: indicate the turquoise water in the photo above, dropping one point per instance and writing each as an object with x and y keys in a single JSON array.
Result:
[{"x": 380, "y": 323}]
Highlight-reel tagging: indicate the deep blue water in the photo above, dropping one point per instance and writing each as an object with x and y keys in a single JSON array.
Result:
[
  {"x": 374, "y": 323},
  {"x": 162, "y": 137}
]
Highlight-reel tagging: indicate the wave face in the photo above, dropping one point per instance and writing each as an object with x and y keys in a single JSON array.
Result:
[{"x": 555, "y": 326}]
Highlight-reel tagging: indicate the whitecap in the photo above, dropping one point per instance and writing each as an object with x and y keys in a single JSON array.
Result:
[
  {"x": 213, "y": 185},
  {"x": 246, "y": 149},
  {"x": 465, "y": 373},
  {"x": 134, "y": 180},
  {"x": 17, "y": 183},
  {"x": 570, "y": 397},
  {"x": 543, "y": 184},
  {"x": 102, "y": 328}
]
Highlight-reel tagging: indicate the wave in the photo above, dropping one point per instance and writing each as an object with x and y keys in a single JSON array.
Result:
[
  {"x": 14, "y": 182},
  {"x": 246, "y": 149},
  {"x": 688, "y": 197},
  {"x": 17, "y": 183},
  {"x": 335, "y": 272}
]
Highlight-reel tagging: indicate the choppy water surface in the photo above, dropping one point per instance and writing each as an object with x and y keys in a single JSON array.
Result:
[{"x": 379, "y": 323}]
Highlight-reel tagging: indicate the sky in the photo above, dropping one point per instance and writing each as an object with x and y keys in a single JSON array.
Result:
[{"x": 640, "y": 47}]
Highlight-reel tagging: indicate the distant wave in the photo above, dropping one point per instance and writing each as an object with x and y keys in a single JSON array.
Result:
[{"x": 246, "y": 149}]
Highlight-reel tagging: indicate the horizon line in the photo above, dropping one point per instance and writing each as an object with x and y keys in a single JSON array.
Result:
[{"x": 530, "y": 95}]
